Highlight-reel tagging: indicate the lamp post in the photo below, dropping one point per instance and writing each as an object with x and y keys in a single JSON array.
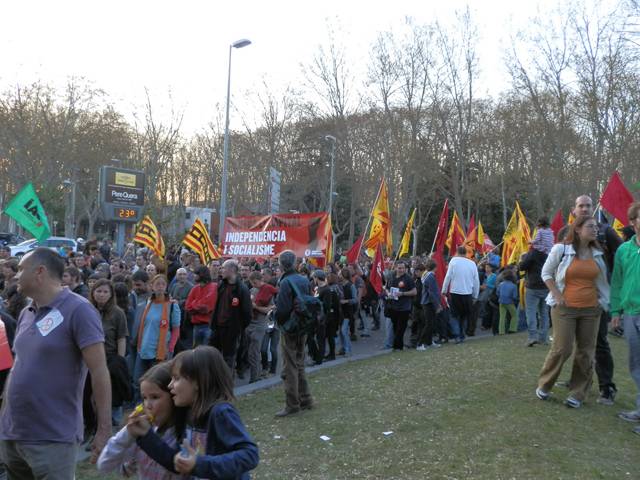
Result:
[
  {"x": 332, "y": 139},
  {"x": 225, "y": 155},
  {"x": 70, "y": 225}
]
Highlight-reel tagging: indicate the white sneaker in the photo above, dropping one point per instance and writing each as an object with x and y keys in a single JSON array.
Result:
[
  {"x": 435, "y": 345},
  {"x": 421, "y": 348}
]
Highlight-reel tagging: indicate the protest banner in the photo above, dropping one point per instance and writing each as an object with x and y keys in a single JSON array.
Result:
[{"x": 269, "y": 235}]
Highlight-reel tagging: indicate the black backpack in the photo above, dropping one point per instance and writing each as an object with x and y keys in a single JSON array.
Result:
[{"x": 307, "y": 313}]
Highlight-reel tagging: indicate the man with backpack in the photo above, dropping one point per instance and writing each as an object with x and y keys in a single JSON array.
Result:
[{"x": 294, "y": 315}]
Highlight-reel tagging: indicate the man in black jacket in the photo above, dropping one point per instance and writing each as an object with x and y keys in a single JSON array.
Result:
[
  {"x": 535, "y": 297},
  {"x": 295, "y": 382},
  {"x": 232, "y": 313}
]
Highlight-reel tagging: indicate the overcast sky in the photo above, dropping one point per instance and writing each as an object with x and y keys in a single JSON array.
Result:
[{"x": 182, "y": 47}]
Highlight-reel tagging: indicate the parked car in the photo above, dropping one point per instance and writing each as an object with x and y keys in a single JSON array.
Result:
[
  {"x": 54, "y": 243},
  {"x": 10, "y": 238}
]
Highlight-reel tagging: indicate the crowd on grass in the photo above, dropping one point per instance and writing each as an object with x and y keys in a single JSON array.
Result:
[{"x": 175, "y": 335}]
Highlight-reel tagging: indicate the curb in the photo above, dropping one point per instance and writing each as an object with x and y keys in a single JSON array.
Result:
[{"x": 274, "y": 381}]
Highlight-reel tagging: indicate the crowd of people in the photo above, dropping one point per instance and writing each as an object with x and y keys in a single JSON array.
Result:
[{"x": 175, "y": 334}]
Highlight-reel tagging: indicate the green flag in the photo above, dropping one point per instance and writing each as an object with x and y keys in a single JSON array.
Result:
[{"x": 26, "y": 209}]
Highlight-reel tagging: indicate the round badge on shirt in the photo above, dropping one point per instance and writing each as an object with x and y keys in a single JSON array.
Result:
[
  {"x": 401, "y": 285},
  {"x": 235, "y": 302}
]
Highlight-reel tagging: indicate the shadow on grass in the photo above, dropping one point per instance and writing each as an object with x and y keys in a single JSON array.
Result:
[{"x": 459, "y": 412}]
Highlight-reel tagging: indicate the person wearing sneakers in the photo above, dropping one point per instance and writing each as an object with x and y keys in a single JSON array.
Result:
[
  {"x": 625, "y": 303},
  {"x": 431, "y": 306},
  {"x": 576, "y": 275}
]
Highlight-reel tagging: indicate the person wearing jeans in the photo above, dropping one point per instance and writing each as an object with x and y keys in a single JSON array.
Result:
[
  {"x": 576, "y": 275},
  {"x": 200, "y": 303},
  {"x": 537, "y": 312},
  {"x": 536, "y": 309},
  {"x": 462, "y": 283},
  {"x": 625, "y": 304},
  {"x": 431, "y": 305}
]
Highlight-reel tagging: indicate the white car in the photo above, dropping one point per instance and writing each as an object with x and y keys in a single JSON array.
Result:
[{"x": 54, "y": 243}]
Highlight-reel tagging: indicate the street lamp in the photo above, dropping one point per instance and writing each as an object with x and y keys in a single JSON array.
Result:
[
  {"x": 71, "y": 224},
  {"x": 225, "y": 155},
  {"x": 332, "y": 139}
]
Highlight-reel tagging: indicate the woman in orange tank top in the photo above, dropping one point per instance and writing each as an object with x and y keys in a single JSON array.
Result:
[{"x": 576, "y": 276}]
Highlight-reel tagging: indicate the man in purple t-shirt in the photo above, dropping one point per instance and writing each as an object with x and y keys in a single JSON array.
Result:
[{"x": 58, "y": 335}]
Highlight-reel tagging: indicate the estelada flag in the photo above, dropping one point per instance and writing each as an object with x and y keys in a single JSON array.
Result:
[
  {"x": 406, "y": 237},
  {"x": 511, "y": 240},
  {"x": 571, "y": 218},
  {"x": 471, "y": 240},
  {"x": 456, "y": 235},
  {"x": 149, "y": 236},
  {"x": 557, "y": 224},
  {"x": 616, "y": 199},
  {"x": 376, "y": 270},
  {"x": 380, "y": 231},
  {"x": 329, "y": 252},
  {"x": 354, "y": 252},
  {"x": 198, "y": 240},
  {"x": 480, "y": 238},
  {"x": 522, "y": 237}
]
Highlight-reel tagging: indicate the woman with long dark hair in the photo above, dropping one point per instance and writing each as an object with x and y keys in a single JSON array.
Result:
[{"x": 576, "y": 275}]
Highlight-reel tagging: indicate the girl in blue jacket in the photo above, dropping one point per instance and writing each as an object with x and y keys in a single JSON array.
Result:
[
  {"x": 216, "y": 443},
  {"x": 508, "y": 299}
]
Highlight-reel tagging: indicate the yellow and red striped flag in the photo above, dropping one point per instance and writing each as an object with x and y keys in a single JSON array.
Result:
[
  {"x": 148, "y": 235},
  {"x": 198, "y": 240}
]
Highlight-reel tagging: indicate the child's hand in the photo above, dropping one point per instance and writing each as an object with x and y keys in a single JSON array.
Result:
[
  {"x": 138, "y": 424},
  {"x": 184, "y": 464}
]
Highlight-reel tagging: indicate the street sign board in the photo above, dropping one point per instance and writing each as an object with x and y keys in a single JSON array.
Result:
[{"x": 121, "y": 194}]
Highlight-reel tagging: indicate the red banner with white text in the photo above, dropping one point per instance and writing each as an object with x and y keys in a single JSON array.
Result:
[{"x": 269, "y": 235}]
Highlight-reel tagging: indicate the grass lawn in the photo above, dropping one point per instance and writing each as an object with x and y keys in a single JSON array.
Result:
[{"x": 458, "y": 412}]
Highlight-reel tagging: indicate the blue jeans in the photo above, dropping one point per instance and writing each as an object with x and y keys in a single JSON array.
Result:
[
  {"x": 345, "y": 336},
  {"x": 537, "y": 309},
  {"x": 201, "y": 334},
  {"x": 632, "y": 334},
  {"x": 388, "y": 328}
]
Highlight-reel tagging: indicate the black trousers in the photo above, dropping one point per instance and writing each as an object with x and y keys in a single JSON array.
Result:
[
  {"x": 461, "y": 309},
  {"x": 399, "y": 321},
  {"x": 316, "y": 343},
  {"x": 225, "y": 339},
  {"x": 428, "y": 321},
  {"x": 604, "y": 360},
  {"x": 473, "y": 319}
]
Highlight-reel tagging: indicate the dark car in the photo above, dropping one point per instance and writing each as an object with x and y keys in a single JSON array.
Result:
[{"x": 10, "y": 239}]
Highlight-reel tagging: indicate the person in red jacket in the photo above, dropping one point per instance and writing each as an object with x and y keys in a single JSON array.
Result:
[{"x": 200, "y": 304}]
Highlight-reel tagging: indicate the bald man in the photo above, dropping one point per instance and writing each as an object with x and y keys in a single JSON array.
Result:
[{"x": 610, "y": 241}]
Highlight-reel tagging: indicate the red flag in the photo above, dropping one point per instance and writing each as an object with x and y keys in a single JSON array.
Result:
[
  {"x": 441, "y": 238},
  {"x": 443, "y": 224},
  {"x": 376, "y": 270},
  {"x": 354, "y": 251},
  {"x": 557, "y": 224},
  {"x": 616, "y": 198}
]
